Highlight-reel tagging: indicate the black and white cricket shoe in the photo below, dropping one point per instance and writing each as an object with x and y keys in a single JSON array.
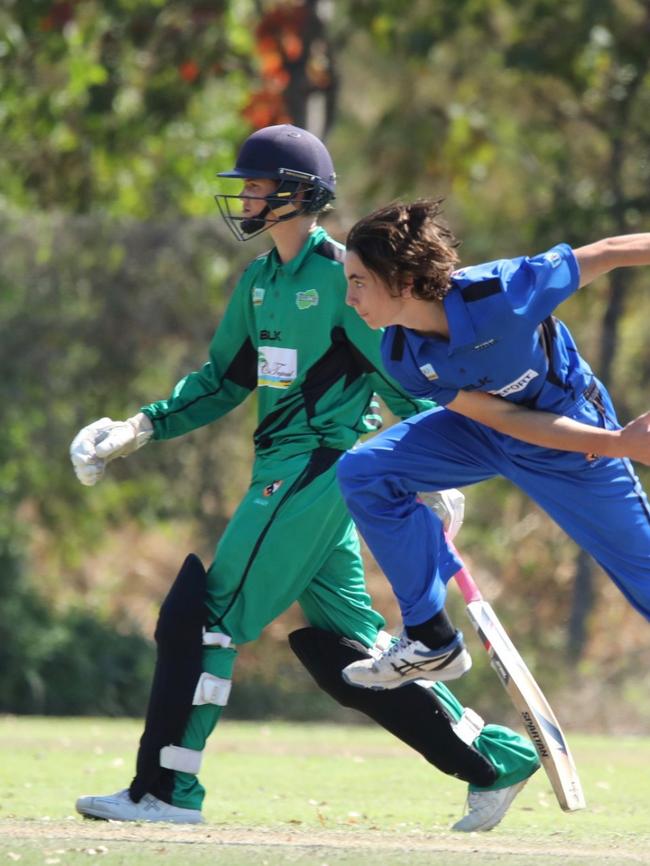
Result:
[
  {"x": 409, "y": 660},
  {"x": 120, "y": 807}
]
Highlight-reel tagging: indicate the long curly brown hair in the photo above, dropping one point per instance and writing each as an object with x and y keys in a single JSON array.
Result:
[{"x": 403, "y": 243}]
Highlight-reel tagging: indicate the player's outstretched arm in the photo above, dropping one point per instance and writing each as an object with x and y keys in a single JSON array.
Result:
[
  {"x": 609, "y": 253},
  {"x": 555, "y": 431}
]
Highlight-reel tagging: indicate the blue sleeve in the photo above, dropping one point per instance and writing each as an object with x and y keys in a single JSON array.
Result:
[{"x": 535, "y": 286}]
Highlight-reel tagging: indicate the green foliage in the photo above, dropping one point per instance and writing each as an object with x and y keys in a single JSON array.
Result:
[
  {"x": 128, "y": 107},
  {"x": 538, "y": 137},
  {"x": 532, "y": 117},
  {"x": 52, "y": 662},
  {"x": 90, "y": 668}
]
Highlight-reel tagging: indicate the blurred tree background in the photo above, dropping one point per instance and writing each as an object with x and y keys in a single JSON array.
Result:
[{"x": 531, "y": 117}]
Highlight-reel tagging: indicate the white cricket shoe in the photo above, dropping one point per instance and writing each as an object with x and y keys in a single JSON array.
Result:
[
  {"x": 486, "y": 808},
  {"x": 409, "y": 660},
  {"x": 120, "y": 807}
]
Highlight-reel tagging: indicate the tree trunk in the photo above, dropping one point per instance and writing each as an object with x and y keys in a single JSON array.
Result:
[
  {"x": 299, "y": 84},
  {"x": 582, "y": 605},
  {"x": 310, "y": 95},
  {"x": 584, "y": 595}
]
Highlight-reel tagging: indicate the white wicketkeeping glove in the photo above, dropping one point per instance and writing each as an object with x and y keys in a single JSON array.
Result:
[{"x": 103, "y": 441}]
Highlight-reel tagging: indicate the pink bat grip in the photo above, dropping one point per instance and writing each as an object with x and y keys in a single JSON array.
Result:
[{"x": 465, "y": 581}]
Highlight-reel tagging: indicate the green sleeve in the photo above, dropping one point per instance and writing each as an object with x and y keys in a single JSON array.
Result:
[
  {"x": 367, "y": 343},
  {"x": 221, "y": 384}
]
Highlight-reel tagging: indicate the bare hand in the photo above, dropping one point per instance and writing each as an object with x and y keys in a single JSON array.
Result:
[{"x": 636, "y": 439}]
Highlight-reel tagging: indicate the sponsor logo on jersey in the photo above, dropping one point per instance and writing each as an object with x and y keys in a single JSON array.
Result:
[
  {"x": 276, "y": 367},
  {"x": 305, "y": 300},
  {"x": 258, "y": 296},
  {"x": 270, "y": 336},
  {"x": 517, "y": 385},
  {"x": 553, "y": 258},
  {"x": 486, "y": 345},
  {"x": 270, "y": 489},
  {"x": 267, "y": 492},
  {"x": 429, "y": 372}
]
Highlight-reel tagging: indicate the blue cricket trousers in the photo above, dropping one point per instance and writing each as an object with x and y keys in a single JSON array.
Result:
[{"x": 600, "y": 503}]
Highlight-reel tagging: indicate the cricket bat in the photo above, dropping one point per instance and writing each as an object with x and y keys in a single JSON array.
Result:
[{"x": 539, "y": 719}]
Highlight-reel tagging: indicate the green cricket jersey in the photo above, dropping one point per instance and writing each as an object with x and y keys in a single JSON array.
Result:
[{"x": 288, "y": 332}]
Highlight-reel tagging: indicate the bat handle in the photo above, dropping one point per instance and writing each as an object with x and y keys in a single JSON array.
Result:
[{"x": 465, "y": 581}]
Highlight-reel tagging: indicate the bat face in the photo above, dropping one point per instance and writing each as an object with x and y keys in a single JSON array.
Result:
[{"x": 536, "y": 714}]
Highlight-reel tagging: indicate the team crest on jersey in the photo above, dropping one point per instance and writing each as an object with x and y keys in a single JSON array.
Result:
[
  {"x": 305, "y": 300},
  {"x": 429, "y": 372},
  {"x": 258, "y": 296}
]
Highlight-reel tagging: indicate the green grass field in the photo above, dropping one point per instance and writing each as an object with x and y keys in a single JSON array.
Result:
[{"x": 301, "y": 794}]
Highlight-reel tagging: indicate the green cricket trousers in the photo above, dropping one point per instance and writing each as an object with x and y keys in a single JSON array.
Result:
[{"x": 292, "y": 539}]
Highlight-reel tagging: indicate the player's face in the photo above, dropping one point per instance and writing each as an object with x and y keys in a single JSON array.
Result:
[
  {"x": 370, "y": 296},
  {"x": 253, "y": 195},
  {"x": 254, "y": 201}
]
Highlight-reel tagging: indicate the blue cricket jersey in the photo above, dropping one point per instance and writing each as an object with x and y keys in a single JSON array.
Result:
[{"x": 503, "y": 337}]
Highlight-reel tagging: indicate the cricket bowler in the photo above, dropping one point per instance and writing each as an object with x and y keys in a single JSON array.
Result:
[{"x": 484, "y": 344}]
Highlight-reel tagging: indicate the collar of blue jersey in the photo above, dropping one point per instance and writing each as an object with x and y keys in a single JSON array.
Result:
[
  {"x": 461, "y": 327},
  {"x": 294, "y": 265}
]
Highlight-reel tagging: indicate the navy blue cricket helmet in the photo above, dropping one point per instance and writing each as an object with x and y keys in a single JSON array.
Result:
[{"x": 297, "y": 159}]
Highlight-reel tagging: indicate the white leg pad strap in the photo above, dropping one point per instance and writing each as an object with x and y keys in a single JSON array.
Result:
[
  {"x": 211, "y": 690},
  {"x": 381, "y": 644},
  {"x": 180, "y": 759},
  {"x": 383, "y": 641},
  {"x": 469, "y": 726},
  {"x": 216, "y": 638}
]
